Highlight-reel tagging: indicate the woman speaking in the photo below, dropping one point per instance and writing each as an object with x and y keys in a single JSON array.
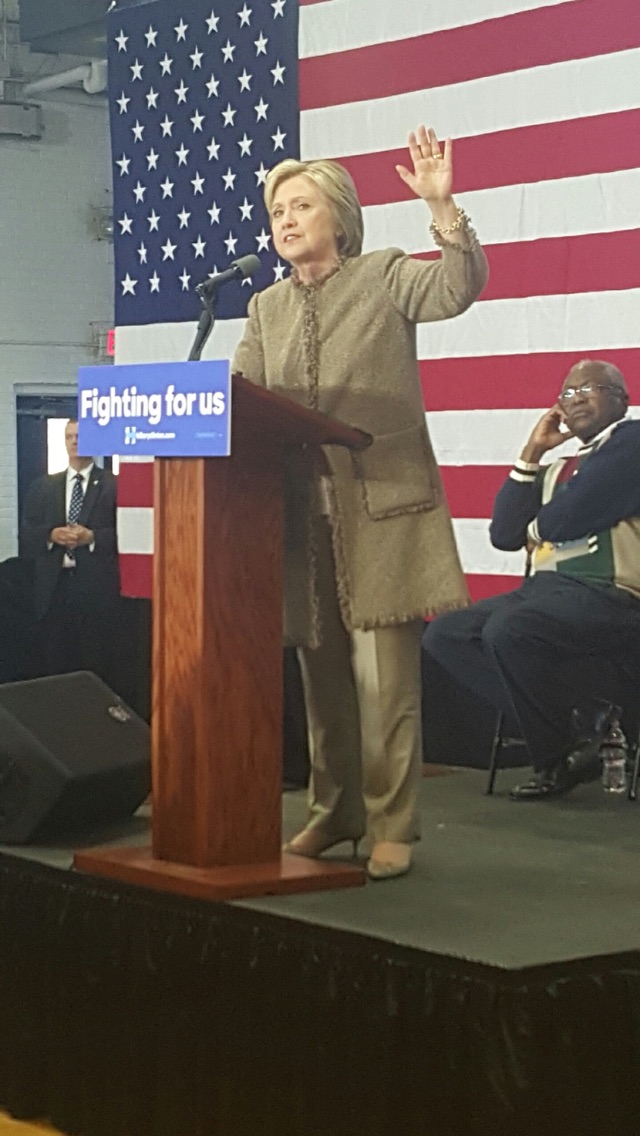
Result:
[{"x": 369, "y": 548}]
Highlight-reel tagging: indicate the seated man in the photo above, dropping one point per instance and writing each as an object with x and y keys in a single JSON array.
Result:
[{"x": 542, "y": 651}]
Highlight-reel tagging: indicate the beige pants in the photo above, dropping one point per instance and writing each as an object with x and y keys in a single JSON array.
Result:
[{"x": 363, "y": 699}]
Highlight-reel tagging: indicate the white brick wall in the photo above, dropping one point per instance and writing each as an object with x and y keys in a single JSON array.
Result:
[{"x": 55, "y": 279}]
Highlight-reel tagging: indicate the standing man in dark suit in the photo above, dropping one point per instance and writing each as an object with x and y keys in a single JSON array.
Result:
[{"x": 69, "y": 530}]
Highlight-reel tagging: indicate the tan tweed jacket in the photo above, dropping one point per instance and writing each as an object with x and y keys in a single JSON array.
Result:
[{"x": 347, "y": 346}]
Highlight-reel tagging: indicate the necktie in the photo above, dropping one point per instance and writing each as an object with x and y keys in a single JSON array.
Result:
[
  {"x": 572, "y": 465},
  {"x": 75, "y": 507}
]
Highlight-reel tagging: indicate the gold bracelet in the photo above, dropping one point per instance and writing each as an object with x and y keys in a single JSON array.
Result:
[{"x": 461, "y": 219}]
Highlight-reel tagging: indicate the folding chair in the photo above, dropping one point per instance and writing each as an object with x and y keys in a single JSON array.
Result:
[
  {"x": 500, "y": 741},
  {"x": 497, "y": 745}
]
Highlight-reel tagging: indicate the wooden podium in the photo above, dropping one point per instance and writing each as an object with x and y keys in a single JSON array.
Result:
[{"x": 217, "y": 666}]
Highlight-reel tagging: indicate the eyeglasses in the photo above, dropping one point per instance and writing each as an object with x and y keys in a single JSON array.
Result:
[{"x": 569, "y": 393}]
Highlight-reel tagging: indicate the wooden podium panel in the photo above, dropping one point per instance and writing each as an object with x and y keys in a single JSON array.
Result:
[
  {"x": 217, "y": 682},
  {"x": 217, "y": 665},
  {"x": 286, "y": 876}
]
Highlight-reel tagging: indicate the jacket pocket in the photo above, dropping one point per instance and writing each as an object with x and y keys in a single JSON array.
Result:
[{"x": 398, "y": 474}]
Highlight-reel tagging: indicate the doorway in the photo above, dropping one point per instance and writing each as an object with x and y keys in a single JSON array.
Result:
[
  {"x": 41, "y": 420},
  {"x": 40, "y": 437}
]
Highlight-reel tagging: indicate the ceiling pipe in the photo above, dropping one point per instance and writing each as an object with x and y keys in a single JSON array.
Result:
[{"x": 93, "y": 77}]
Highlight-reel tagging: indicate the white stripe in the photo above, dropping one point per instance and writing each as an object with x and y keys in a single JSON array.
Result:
[
  {"x": 484, "y": 437},
  {"x": 477, "y": 554},
  {"x": 583, "y": 321},
  {"x": 596, "y": 203},
  {"x": 135, "y": 537},
  {"x": 345, "y": 24},
  {"x": 135, "y": 531},
  {"x": 171, "y": 342},
  {"x": 570, "y": 90},
  {"x": 488, "y": 437}
]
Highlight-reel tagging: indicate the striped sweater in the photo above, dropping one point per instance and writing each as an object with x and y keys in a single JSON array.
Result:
[{"x": 580, "y": 515}]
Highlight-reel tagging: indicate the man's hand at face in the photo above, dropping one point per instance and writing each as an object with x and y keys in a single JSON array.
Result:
[{"x": 546, "y": 435}]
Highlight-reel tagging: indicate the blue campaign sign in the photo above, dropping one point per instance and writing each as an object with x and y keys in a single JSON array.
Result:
[{"x": 159, "y": 409}]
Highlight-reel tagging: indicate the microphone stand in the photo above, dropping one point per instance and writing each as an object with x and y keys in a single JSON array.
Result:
[{"x": 206, "y": 321}]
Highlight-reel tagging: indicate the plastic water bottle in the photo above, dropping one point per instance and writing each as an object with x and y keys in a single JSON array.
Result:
[{"x": 613, "y": 752}]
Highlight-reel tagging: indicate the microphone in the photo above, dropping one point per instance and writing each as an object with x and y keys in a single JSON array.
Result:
[{"x": 239, "y": 270}]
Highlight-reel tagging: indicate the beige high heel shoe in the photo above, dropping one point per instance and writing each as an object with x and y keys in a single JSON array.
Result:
[
  {"x": 311, "y": 843},
  {"x": 388, "y": 860}
]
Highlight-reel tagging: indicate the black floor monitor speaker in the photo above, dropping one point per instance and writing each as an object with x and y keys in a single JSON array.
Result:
[{"x": 72, "y": 756}]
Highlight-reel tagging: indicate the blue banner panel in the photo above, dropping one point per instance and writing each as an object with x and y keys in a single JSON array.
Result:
[{"x": 159, "y": 409}]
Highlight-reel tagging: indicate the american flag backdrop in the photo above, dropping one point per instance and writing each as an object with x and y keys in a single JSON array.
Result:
[{"x": 542, "y": 99}]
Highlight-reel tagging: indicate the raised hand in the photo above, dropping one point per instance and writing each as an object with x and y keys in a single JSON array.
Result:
[
  {"x": 432, "y": 174},
  {"x": 546, "y": 434}
]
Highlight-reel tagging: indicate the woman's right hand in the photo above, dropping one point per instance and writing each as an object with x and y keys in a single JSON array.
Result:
[{"x": 432, "y": 174}]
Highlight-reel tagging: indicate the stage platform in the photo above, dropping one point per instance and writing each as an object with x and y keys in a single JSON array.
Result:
[{"x": 496, "y": 989}]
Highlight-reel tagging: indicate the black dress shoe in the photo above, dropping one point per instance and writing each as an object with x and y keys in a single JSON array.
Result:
[
  {"x": 542, "y": 786},
  {"x": 581, "y": 764}
]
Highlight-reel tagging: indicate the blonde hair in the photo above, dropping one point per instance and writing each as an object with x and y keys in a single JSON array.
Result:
[{"x": 337, "y": 186}]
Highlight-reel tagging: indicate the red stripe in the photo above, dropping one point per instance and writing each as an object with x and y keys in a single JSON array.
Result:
[
  {"x": 552, "y": 266},
  {"x": 483, "y": 587},
  {"x": 136, "y": 575},
  {"x": 457, "y": 55},
  {"x": 135, "y": 485},
  {"x": 598, "y": 144},
  {"x": 513, "y": 382},
  {"x": 471, "y": 489}
]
